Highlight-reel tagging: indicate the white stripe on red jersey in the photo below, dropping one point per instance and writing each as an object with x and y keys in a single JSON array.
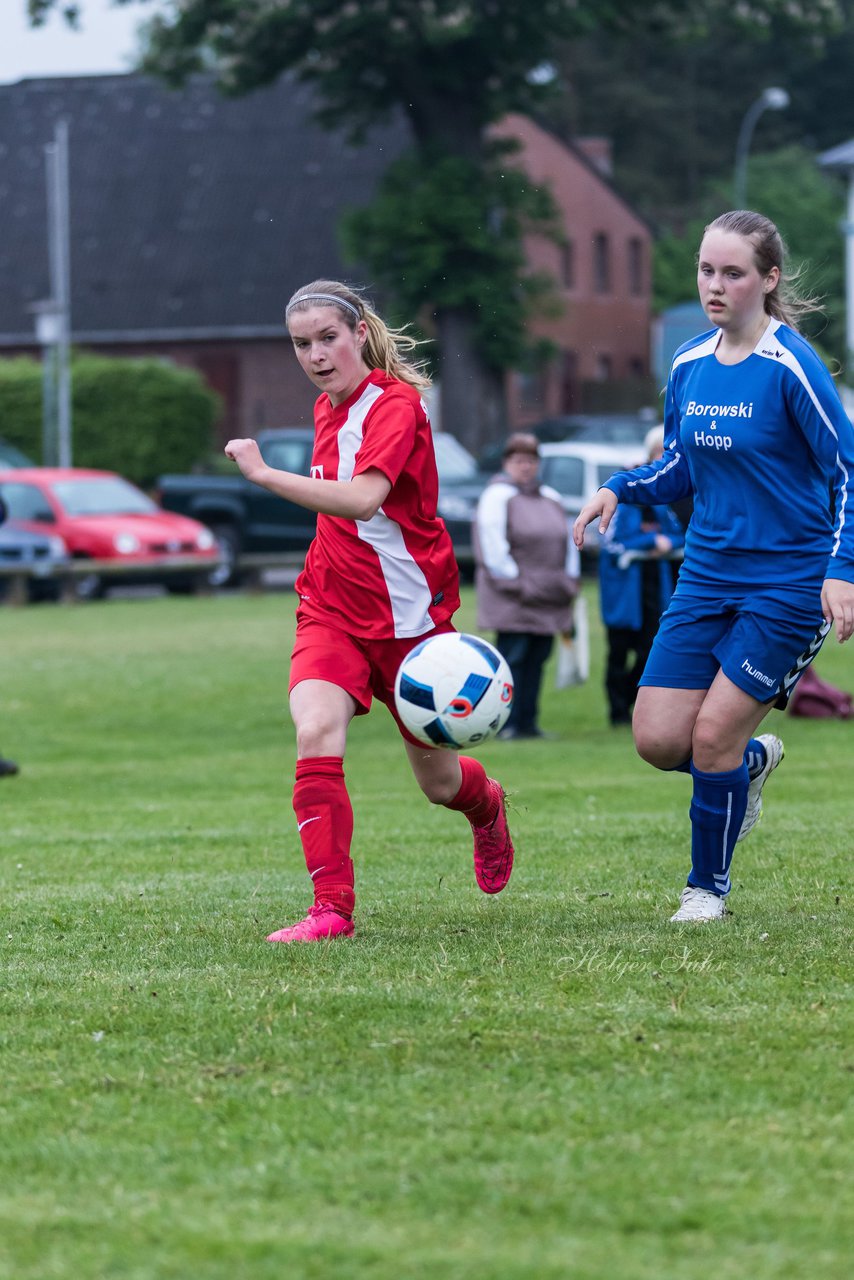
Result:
[{"x": 393, "y": 576}]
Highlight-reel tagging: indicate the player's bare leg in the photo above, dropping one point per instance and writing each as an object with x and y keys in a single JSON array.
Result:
[{"x": 460, "y": 782}]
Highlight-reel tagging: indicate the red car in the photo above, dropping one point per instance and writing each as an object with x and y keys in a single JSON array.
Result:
[{"x": 101, "y": 516}]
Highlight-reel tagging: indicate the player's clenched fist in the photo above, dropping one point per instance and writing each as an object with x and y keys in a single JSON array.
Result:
[{"x": 247, "y": 455}]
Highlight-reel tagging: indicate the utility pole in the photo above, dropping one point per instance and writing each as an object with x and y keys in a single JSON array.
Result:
[
  {"x": 47, "y": 331},
  {"x": 59, "y": 257}
]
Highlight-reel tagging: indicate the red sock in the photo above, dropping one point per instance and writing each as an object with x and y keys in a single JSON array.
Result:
[
  {"x": 325, "y": 824},
  {"x": 475, "y": 798}
]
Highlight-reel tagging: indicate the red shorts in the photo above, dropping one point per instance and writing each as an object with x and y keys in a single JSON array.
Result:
[{"x": 363, "y": 668}]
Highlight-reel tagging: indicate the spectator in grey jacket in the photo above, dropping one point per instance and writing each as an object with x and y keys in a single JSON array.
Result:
[{"x": 527, "y": 574}]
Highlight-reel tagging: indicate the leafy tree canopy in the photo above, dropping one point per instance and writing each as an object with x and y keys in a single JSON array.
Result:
[
  {"x": 805, "y": 203},
  {"x": 452, "y": 65},
  {"x": 448, "y": 234},
  {"x": 673, "y": 108},
  {"x": 668, "y": 80}
]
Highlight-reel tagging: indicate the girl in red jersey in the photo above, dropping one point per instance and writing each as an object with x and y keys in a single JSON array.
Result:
[{"x": 379, "y": 577}]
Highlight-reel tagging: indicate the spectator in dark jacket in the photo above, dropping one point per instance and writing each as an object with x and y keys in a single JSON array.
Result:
[
  {"x": 637, "y": 575},
  {"x": 527, "y": 574}
]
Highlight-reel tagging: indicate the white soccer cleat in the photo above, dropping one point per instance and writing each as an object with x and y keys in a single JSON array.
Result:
[
  {"x": 773, "y": 755},
  {"x": 699, "y": 905}
]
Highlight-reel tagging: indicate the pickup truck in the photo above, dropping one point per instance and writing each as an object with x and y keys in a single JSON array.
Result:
[{"x": 247, "y": 520}]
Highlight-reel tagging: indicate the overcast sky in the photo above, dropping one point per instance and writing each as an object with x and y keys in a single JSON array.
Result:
[{"x": 105, "y": 41}]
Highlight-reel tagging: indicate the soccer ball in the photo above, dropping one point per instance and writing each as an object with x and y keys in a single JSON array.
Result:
[{"x": 453, "y": 690}]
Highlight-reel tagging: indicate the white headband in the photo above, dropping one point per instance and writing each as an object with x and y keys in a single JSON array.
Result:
[{"x": 323, "y": 297}]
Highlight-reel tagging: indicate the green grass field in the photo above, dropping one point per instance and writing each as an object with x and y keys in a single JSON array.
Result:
[{"x": 555, "y": 1082}]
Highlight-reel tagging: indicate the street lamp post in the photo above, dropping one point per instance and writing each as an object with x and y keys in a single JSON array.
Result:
[{"x": 772, "y": 99}]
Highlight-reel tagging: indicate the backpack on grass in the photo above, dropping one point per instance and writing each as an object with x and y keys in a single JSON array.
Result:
[{"x": 819, "y": 700}]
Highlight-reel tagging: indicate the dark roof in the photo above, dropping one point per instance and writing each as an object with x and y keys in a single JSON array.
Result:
[{"x": 192, "y": 214}]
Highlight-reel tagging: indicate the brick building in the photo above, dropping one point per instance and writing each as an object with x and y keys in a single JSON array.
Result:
[
  {"x": 604, "y": 276},
  {"x": 194, "y": 216}
]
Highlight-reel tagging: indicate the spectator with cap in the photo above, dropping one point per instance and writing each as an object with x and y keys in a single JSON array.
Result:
[{"x": 527, "y": 574}]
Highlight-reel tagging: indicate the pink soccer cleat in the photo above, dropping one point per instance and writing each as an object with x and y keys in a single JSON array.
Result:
[
  {"x": 321, "y": 922},
  {"x": 493, "y": 848}
]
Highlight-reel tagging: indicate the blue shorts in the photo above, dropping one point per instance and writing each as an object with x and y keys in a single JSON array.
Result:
[{"x": 763, "y": 641}]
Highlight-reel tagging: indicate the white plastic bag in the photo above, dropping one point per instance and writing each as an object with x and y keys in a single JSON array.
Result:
[{"x": 573, "y": 649}]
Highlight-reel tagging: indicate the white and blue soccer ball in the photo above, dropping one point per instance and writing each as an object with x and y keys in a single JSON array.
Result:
[{"x": 453, "y": 690}]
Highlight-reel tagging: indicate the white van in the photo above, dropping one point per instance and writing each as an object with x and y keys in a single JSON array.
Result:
[{"x": 576, "y": 469}]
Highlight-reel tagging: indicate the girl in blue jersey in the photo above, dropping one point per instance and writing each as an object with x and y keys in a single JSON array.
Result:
[{"x": 756, "y": 434}]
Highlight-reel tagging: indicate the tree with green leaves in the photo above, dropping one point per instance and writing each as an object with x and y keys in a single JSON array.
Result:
[
  {"x": 673, "y": 108},
  {"x": 445, "y": 233},
  {"x": 805, "y": 203},
  {"x": 129, "y": 414}
]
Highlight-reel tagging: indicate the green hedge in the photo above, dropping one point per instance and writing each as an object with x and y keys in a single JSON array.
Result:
[{"x": 137, "y": 417}]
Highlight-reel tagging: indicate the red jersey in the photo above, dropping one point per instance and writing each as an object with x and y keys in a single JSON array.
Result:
[{"x": 393, "y": 576}]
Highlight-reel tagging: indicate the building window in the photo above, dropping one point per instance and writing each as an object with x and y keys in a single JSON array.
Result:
[
  {"x": 567, "y": 265},
  {"x": 635, "y": 266},
  {"x": 569, "y": 385},
  {"x": 637, "y": 367},
  {"x": 604, "y": 366},
  {"x": 532, "y": 390},
  {"x": 601, "y": 263}
]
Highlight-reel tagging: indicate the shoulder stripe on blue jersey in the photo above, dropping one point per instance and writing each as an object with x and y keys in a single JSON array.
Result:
[
  {"x": 706, "y": 344},
  {"x": 770, "y": 347}
]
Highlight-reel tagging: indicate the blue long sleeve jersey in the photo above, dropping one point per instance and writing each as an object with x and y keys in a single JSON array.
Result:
[{"x": 767, "y": 452}]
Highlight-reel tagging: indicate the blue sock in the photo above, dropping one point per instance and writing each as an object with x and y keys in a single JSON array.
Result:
[
  {"x": 755, "y": 757},
  {"x": 717, "y": 812},
  {"x": 684, "y": 767}
]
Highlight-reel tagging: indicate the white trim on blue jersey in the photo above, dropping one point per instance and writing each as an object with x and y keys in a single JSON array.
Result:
[
  {"x": 761, "y": 446},
  {"x": 788, "y": 358}
]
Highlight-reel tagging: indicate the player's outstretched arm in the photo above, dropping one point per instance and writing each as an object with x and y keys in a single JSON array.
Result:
[
  {"x": 603, "y": 504},
  {"x": 356, "y": 499}
]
